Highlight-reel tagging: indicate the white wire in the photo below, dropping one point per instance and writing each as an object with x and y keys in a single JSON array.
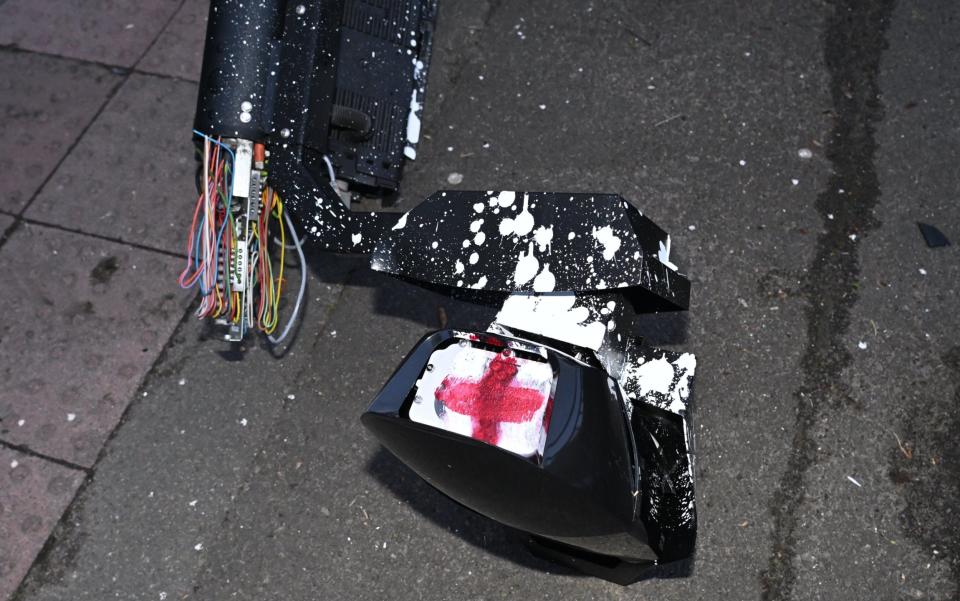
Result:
[
  {"x": 303, "y": 281},
  {"x": 333, "y": 176}
]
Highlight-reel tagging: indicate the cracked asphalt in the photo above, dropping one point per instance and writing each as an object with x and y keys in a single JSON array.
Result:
[{"x": 828, "y": 385}]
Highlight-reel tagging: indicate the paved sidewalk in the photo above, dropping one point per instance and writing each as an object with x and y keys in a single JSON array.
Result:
[
  {"x": 140, "y": 461},
  {"x": 96, "y": 103}
]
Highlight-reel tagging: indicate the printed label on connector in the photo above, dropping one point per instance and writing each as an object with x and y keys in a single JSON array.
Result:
[{"x": 238, "y": 267}]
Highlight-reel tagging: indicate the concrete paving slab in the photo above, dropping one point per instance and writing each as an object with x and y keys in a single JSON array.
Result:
[
  {"x": 115, "y": 33},
  {"x": 33, "y": 495},
  {"x": 131, "y": 176},
  {"x": 178, "y": 51},
  {"x": 171, "y": 474},
  {"x": 84, "y": 321},
  {"x": 46, "y": 103}
]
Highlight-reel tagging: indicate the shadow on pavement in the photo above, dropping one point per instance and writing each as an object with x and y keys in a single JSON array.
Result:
[{"x": 488, "y": 535}]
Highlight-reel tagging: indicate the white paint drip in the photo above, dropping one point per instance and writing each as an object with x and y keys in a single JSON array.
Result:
[
  {"x": 552, "y": 315},
  {"x": 401, "y": 223},
  {"x": 545, "y": 281},
  {"x": 609, "y": 240},
  {"x": 664, "y": 255},
  {"x": 527, "y": 267},
  {"x": 523, "y": 224}
]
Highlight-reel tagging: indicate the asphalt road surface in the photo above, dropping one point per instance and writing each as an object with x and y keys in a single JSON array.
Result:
[{"x": 828, "y": 390}]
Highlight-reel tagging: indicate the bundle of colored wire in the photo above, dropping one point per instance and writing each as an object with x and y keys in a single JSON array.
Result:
[
  {"x": 228, "y": 256},
  {"x": 211, "y": 233}
]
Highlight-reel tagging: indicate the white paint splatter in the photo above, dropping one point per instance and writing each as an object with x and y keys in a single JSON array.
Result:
[
  {"x": 523, "y": 224},
  {"x": 401, "y": 223},
  {"x": 610, "y": 241},
  {"x": 478, "y": 207},
  {"x": 661, "y": 378},
  {"x": 527, "y": 267},
  {"x": 480, "y": 283},
  {"x": 506, "y": 198},
  {"x": 664, "y": 254},
  {"x": 480, "y": 238},
  {"x": 474, "y": 257},
  {"x": 356, "y": 238},
  {"x": 862, "y": 345},
  {"x": 545, "y": 281},
  {"x": 553, "y": 315},
  {"x": 571, "y": 236},
  {"x": 543, "y": 237},
  {"x": 476, "y": 225},
  {"x": 458, "y": 267}
]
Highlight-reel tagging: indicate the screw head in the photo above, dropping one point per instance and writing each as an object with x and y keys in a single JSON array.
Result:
[
  {"x": 245, "y": 117},
  {"x": 429, "y": 366},
  {"x": 246, "y": 106},
  {"x": 301, "y": 9},
  {"x": 285, "y": 133}
]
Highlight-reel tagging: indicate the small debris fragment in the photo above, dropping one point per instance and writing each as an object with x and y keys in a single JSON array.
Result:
[
  {"x": 455, "y": 178},
  {"x": 795, "y": 182},
  {"x": 923, "y": 271},
  {"x": 243, "y": 422},
  {"x": 543, "y": 107},
  {"x": 853, "y": 237},
  {"x": 192, "y": 503},
  {"x": 744, "y": 523},
  {"x": 291, "y": 397},
  {"x": 692, "y": 228},
  {"x": 850, "y": 478},
  {"x": 932, "y": 235},
  {"x": 20, "y": 422},
  {"x": 14, "y": 464},
  {"x": 71, "y": 417},
  {"x": 743, "y": 163},
  {"x": 182, "y": 381},
  {"x": 805, "y": 153},
  {"x": 198, "y": 547},
  {"x": 862, "y": 345}
]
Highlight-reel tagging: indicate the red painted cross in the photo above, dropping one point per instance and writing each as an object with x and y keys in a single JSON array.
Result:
[{"x": 491, "y": 400}]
